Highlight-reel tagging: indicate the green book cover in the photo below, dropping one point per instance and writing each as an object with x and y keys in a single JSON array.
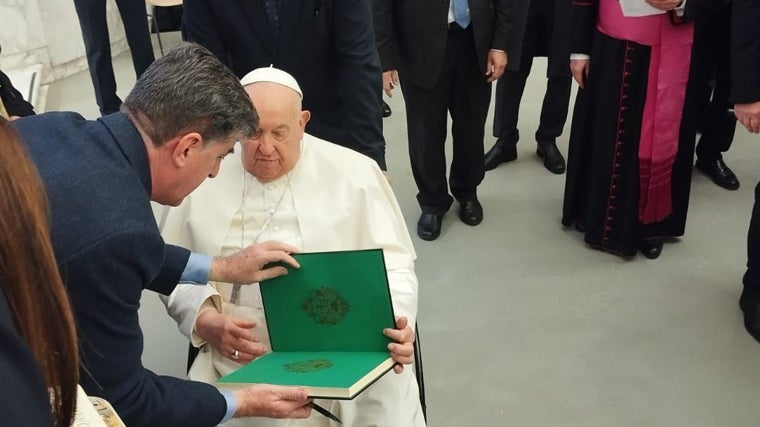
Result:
[{"x": 325, "y": 323}]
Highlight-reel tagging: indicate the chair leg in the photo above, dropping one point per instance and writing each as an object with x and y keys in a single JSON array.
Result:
[
  {"x": 158, "y": 31},
  {"x": 418, "y": 370}
]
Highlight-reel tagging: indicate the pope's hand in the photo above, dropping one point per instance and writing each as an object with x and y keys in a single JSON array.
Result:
[{"x": 402, "y": 351}]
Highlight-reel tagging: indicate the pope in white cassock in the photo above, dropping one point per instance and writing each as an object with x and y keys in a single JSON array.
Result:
[{"x": 289, "y": 186}]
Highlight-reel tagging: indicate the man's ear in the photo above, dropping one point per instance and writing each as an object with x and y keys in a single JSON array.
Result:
[
  {"x": 186, "y": 146},
  {"x": 304, "y": 118}
]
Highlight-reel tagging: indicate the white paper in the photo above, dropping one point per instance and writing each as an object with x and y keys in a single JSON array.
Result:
[{"x": 633, "y": 8}]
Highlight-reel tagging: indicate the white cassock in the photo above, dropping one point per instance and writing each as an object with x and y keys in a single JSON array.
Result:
[{"x": 334, "y": 199}]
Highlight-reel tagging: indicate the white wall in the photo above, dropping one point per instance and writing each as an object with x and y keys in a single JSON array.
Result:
[{"x": 47, "y": 32}]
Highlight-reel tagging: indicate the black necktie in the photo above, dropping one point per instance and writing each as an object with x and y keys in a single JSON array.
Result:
[{"x": 273, "y": 13}]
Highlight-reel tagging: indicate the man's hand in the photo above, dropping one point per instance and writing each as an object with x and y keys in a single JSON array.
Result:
[
  {"x": 246, "y": 266},
  {"x": 497, "y": 62},
  {"x": 402, "y": 351},
  {"x": 749, "y": 116},
  {"x": 228, "y": 334},
  {"x": 390, "y": 81},
  {"x": 664, "y": 4},
  {"x": 579, "y": 69},
  {"x": 271, "y": 401}
]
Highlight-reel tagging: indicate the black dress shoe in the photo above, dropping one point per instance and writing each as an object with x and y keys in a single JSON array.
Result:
[
  {"x": 750, "y": 305},
  {"x": 721, "y": 174},
  {"x": 650, "y": 249},
  {"x": 386, "y": 109},
  {"x": 553, "y": 160},
  {"x": 429, "y": 226},
  {"x": 501, "y": 152},
  {"x": 470, "y": 211}
]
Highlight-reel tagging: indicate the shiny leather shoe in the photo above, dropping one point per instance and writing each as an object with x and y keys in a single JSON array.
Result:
[
  {"x": 429, "y": 226},
  {"x": 501, "y": 152},
  {"x": 553, "y": 160},
  {"x": 750, "y": 305},
  {"x": 651, "y": 250},
  {"x": 386, "y": 109},
  {"x": 721, "y": 174},
  {"x": 470, "y": 211}
]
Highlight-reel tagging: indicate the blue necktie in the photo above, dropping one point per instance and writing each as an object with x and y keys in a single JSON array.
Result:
[{"x": 461, "y": 16}]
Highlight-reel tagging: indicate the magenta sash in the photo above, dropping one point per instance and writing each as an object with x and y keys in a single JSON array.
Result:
[{"x": 663, "y": 107}]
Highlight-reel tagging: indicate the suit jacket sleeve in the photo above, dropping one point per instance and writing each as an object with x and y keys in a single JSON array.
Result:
[
  {"x": 106, "y": 297},
  {"x": 385, "y": 36},
  {"x": 745, "y": 51},
  {"x": 198, "y": 26},
  {"x": 502, "y": 29},
  {"x": 12, "y": 99},
  {"x": 360, "y": 76},
  {"x": 584, "y": 16}
]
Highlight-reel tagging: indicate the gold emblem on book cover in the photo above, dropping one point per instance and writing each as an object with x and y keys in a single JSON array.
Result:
[
  {"x": 325, "y": 306},
  {"x": 306, "y": 366}
]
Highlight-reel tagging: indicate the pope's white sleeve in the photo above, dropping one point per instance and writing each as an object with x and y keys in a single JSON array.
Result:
[{"x": 186, "y": 303}]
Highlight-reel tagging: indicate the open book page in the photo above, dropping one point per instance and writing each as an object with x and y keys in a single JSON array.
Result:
[
  {"x": 94, "y": 412},
  {"x": 638, "y": 8}
]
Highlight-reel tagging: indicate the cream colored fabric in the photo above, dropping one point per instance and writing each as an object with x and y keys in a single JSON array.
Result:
[
  {"x": 342, "y": 201},
  {"x": 3, "y": 111}
]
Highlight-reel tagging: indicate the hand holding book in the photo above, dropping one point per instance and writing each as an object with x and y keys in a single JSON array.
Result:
[
  {"x": 231, "y": 336},
  {"x": 263, "y": 400},
  {"x": 402, "y": 350}
]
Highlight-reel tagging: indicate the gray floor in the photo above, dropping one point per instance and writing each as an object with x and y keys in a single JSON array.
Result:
[{"x": 523, "y": 325}]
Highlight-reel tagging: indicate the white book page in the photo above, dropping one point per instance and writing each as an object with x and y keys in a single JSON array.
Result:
[
  {"x": 86, "y": 415},
  {"x": 634, "y": 8}
]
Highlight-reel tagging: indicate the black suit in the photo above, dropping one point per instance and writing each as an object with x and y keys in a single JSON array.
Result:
[
  {"x": 92, "y": 21},
  {"x": 109, "y": 250},
  {"x": 541, "y": 28},
  {"x": 442, "y": 71},
  {"x": 711, "y": 72},
  {"x": 14, "y": 102},
  {"x": 327, "y": 45},
  {"x": 23, "y": 398},
  {"x": 745, "y": 79}
]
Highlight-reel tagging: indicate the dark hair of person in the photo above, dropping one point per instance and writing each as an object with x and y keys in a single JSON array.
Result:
[
  {"x": 190, "y": 90},
  {"x": 29, "y": 276}
]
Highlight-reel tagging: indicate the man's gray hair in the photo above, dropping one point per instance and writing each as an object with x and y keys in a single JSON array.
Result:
[{"x": 190, "y": 90}]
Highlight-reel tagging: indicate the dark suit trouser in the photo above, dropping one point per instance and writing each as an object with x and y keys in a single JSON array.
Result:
[
  {"x": 751, "y": 278},
  {"x": 511, "y": 85},
  {"x": 712, "y": 47},
  {"x": 462, "y": 91},
  {"x": 92, "y": 20}
]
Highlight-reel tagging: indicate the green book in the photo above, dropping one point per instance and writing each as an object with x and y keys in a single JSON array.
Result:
[{"x": 325, "y": 323}]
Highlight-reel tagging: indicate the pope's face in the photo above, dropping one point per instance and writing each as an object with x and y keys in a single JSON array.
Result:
[{"x": 275, "y": 147}]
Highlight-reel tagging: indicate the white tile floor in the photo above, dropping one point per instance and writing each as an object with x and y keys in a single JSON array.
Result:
[{"x": 522, "y": 325}]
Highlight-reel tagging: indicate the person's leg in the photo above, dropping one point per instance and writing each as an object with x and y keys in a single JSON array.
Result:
[
  {"x": 92, "y": 20},
  {"x": 750, "y": 298},
  {"x": 556, "y": 99},
  {"x": 509, "y": 91},
  {"x": 719, "y": 122},
  {"x": 135, "y": 20},
  {"x": 426, "y": 129},
  {"x": 554, "y": 109},
  {"x": 468, "y": 105}
]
